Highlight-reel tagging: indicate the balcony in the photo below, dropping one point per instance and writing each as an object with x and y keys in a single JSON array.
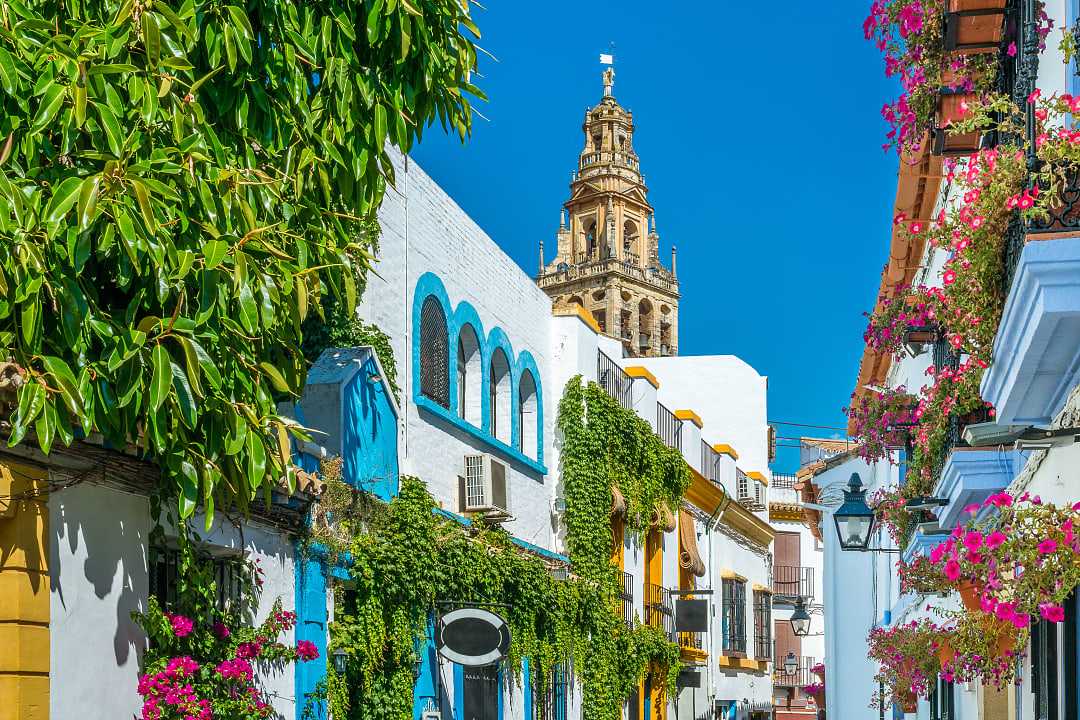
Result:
[
  {"x": 626, "y": 595},
  {"x": 692, "y": 648},
  {"x": 668, "y": 427},
  {"x": 971, "y": 475},
  {"x": 791, "y": 582},
  {"x": 659, "y": 612},
  {"x": 1037, "y": 348},
  {"x": 591, "y": 264},
  {"x": 801, "y": 677},
  {"x": 614, "y": 380},
  {"x": 709, "y": 461}
]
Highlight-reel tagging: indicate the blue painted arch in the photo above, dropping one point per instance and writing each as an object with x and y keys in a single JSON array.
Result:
[{"x": 457, "y": 318}]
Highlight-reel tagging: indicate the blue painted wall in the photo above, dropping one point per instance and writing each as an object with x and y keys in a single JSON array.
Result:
[
  {"x": 457, "y": 317},
  {"x": 370, "y": 448},
  {"x": 311, "y": 619}
]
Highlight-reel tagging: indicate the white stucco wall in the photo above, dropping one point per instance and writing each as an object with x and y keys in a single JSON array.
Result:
[
  {"x": 424, "y": 230},
  {"x": 98, "y": 575}
]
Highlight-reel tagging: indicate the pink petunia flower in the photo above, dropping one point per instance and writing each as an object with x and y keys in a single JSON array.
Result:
[{"x": 1047, "y": 546}]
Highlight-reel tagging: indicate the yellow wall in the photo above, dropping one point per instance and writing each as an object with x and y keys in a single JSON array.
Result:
[{"x": 24, "y": 595}]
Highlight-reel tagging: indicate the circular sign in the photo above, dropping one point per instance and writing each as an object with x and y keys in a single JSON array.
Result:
[{"x": 473, "y": 637}]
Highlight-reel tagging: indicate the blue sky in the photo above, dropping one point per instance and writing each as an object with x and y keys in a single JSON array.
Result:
[{"x": 759, "y": 134}]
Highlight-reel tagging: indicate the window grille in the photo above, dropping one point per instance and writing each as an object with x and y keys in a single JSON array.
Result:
[
  {"x": 165, "y": 579},
  {"x": 434, "y": 353},
  {"x": 763, "y": 641},
  {"x": 742, "y": 487},
  {"x": 734, "y": 617}
]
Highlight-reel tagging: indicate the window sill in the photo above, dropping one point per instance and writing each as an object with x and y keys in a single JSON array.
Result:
[{"x": 493, "y": 444}]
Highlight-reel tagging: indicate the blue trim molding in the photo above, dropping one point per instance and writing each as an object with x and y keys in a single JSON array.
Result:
[
  {"x": 457, "y": 318},
  {"x": 970, "y": 476},
  {"x": 1037, "y": 349}
]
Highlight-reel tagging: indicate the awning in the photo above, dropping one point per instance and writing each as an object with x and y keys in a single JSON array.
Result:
[
  {"x": 663, "y": 518},
  {"x": 689, "y": 557}
]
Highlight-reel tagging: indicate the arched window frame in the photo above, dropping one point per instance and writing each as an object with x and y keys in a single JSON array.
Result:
[
  {"x": 434, "y": 352},
  {"x": 528, "y": 434}
]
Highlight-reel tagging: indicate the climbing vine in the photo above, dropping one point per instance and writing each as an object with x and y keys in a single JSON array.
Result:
[
  {"x": 408, "y": 561},
  {"x": 606, "y": 446}
]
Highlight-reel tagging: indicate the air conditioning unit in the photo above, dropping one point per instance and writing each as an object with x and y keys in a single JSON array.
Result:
[
  {"x": 483, "y": 485},
  {"x": 759, "y": 494}
]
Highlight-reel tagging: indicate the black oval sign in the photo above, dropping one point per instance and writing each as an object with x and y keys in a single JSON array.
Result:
[{"x": 473, "y": 637}]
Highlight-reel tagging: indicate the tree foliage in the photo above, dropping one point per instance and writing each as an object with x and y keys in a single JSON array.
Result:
[{"x": 181, "y": 185}]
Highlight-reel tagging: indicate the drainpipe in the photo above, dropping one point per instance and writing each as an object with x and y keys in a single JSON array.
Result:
[{"x": 711, "y": 524}]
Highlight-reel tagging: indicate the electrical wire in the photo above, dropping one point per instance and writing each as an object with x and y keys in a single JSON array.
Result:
[{"x": 820, "y": 427}]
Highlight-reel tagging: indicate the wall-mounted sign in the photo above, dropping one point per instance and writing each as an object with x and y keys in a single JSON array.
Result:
[
  {"x": 688, "y": 679},
  {"x": 472, "y": 637},
  {"x": 691, "y": 615}
]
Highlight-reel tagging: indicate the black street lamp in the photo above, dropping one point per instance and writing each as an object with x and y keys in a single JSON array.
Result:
[
  {"x": 338, "y": 658},
  {"x": 800, "y": 619},
  {"x": 854, "y": 519},
  {"x": 791, "y": 663}
]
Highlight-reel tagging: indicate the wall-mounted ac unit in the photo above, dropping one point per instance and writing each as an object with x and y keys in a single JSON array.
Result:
[
  {"x": 759, "y": 494},
  {"x": 743, "y": 492},
  {"x": 483, "y": 485}
]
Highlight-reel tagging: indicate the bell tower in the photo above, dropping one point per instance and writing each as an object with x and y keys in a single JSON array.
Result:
[{"x": 608, "y": 248}]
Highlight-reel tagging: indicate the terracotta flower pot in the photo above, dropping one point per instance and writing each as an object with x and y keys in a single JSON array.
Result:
[
  {"x": 950, "y": 109},
  {"x": 821, "y": 674},
  {"x": 969, "y": 596},
  {"x": 1006, "y": 640},
  {"x": 908, "y": 701},
  {"x": 974, "y": 26},
  {"x": 819, "y": 698},
  {"x": 945, "y": 651}
]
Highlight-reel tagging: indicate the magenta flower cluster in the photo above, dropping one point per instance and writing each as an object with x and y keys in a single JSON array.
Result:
[{"x": 170, "y": 693}]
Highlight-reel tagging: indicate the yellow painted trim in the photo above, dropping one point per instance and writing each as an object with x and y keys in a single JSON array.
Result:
[
  {"x": 737, "y": 663},
  {"x": 760, "y": 477},
  {"x": 785, "y": 512},
  {"x": 637, "y": 371},
  {"x": 583, "y": 314},
  {"x": 702, "y": 494},
  {"x": 693, "y": 656},
  {"x": 24, "y": 593},
  {"x": 709, "y": 498},
  {"x": 726, "y": 574},
  {"x": 739, "y": 518},
  {"x": 758, "y": 587},
  {"x": 725, "y": 449},
  {"x": 689, "y": 415}
]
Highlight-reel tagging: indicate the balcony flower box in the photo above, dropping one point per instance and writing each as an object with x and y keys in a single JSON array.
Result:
[
  {"x": 953, "y": 106},
  {"x": 907, "y": 701},
  {"x": 974, "y": 26}
]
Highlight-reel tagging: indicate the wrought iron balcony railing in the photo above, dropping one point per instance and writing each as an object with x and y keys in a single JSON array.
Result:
[
  {"x": 709, "y": 459},
  {"x": 792, "y": 581},
  {"x": 692, "y": 640},
  {"x": 613, "y": 379},
  {"x": 800, "y": 677},
  {"x": 626, "y": 595},
  {"x": 659, "y": 612},
  {"x": 668, "y": 427}
]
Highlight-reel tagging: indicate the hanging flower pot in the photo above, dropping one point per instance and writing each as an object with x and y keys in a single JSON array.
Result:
[
  {"x": 969, "y": 595},
  {"x": 945, "y": 651},
  {"x": 974, "y": 26},
  {"x": 952, "y": 106},
  {"x": 907, "y": 701},
  {"x": 819, "y": 670}
]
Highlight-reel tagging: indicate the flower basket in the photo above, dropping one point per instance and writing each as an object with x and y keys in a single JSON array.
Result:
[
  {"x": 819, "y": 670},
  {"x": 974, "y": 26},
  {"x": 952, "y": 106}
]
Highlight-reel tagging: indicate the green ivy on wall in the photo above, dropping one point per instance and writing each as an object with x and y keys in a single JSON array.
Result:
[{"x": 605, "y": 446}]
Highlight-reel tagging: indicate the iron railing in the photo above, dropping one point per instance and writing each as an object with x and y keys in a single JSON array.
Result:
[
  {"x": 763, "y": 626},
  {"x": 797, "y": 679},
  {"x": 659, "y": 612},
  {"x": 668, "y": 427},
  {"x": 793, "y": 581},
  {"x": 613, "y": 379},
  {"x": 709, "y": 458},
  {"x": 626, "y": 594},
  {"x": 733, "y": 619},
  {"x": 597, "y": 263},
  {"x": 692, "y": 640},
  {"x": 783, "y": 480}
]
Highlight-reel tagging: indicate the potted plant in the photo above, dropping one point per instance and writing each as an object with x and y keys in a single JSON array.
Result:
[
  {"x": 816, "y": 691},
  {"x": 878, "y": 420},
  {"x": 908, "y": 660},
  {"x": 819, "y": 670},
  {"x": 981, "y": 648},
  {"x": 920, "y": 575},
  {"x": 974, "y": 25}
]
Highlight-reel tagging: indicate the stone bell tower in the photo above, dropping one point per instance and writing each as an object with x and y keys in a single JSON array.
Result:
[{"x": 608, "y": 258}]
